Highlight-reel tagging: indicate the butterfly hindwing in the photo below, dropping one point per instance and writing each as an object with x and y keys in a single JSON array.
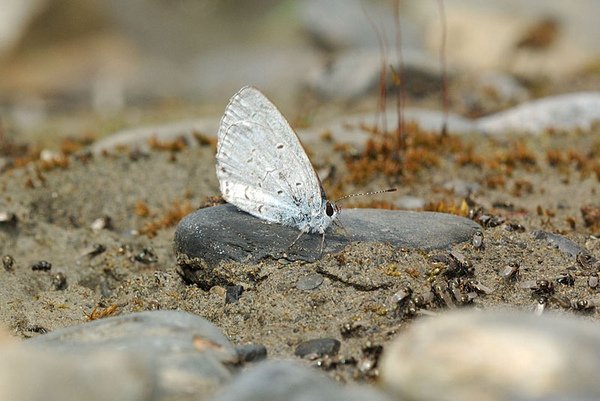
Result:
[{"x": 261, "y": 165}]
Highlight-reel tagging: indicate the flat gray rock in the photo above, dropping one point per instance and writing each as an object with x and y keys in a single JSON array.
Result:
[
  {"x": 185, "y": 354},
  {"x": 494, "y": 355},
  {"x": 563, "y": 112},
  {"x": 209, "y": 236}
]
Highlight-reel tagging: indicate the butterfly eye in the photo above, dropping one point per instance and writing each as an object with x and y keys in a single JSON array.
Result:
[{"x": 329, "y": 209}]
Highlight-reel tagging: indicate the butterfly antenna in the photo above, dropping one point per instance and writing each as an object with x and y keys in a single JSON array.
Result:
[{"x": 367, "y": 193}]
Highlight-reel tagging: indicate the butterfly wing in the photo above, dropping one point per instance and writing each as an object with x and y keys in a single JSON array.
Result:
[{"x": 261, "y": 165}]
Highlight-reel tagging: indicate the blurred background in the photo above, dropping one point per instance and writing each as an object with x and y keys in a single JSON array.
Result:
[{"x": 122, "y": 63}]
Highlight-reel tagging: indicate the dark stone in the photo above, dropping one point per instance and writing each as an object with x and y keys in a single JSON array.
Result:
[
  {"x": 42, "y": 265},
  {"x": 59, "y": 281},
  {"x": 233, "y": 293},
  {"x": 221, "y": 233},
  {"x": 8, "y": 262},
  {"x": 251, "y": 352},
  {"x": 146, "y": 256},
  {"x": 318, "y": 346},
  {"x": 310, "y": 282}
]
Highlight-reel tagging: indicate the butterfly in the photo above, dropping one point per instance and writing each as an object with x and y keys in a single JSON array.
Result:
[{"x": 263, "y": 169}]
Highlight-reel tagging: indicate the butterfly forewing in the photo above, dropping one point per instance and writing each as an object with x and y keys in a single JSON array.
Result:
[{"x": 261, "y": 165}]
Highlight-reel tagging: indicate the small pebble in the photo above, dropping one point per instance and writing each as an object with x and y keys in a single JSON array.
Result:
[
  {"x": 233, "y": 293},
  {"x": 509, "y": 272},
  {"x": 94, "y": 250},
  {"x": 8, "y": 262},
  {"x": 101, "y": 223},
  {"x": 477, "y": 240},
  {"x": 8, "y": 219},
  {"x": 42, "y": 265},
  {"x": 563, "y": 244},
  {"x": 310, "y": 282},
  {"x": 593, "y": 281},
  {"x": 146, "y": 256},
  {"x": 59, "y": 281},
  {"x": 319, "y": 347},
  {"x": 251, "y": 352}
]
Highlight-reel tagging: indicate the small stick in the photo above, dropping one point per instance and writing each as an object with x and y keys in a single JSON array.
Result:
[
  {"x": 444, "y": 68},
  {"x": 381, "y": 41}
]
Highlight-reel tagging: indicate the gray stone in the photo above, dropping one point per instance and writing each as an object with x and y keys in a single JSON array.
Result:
[
  {"x": 494, "y": 356},
  {"x": 233, "y": 293},
  {"x": 310, "y": 282},
  {"x": 318, "y": 347},
  {"x": 251, "y": 352},
  {"x": 221, "y": 233},
  {"x": 185, "y": 353},
  {"x": 286, "y": 381},
  {"x": 356, "y": 73},
  {"x": 564, "y": 112},
  {"x": 563, "y": 244}
]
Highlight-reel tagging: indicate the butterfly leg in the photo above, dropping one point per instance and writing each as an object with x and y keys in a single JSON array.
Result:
[
  {"x": 339, "y": 225},
  {"x": 296, "y": 240},
  {"x": 322, "y": 244}
]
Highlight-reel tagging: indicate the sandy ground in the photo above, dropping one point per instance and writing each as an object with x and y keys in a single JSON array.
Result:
[{"x": 106, "y": 224}]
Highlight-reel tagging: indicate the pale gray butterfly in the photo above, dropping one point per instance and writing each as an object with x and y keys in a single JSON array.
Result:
[{"x": 263, "y": 169}]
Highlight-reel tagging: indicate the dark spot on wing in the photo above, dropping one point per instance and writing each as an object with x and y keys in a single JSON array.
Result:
[
  {"x": 298, "y": 184},
  {"x": 279, "y": 192},
  {"x": 260, "y": 208},
  {"x": 279, "y": 146}
]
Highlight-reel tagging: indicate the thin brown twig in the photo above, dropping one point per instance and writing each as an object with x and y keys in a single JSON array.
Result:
[
  {"x": 443, "y": 67},
  {"x": 400, "y": 87},
  {"x": 382, "y": 75}
]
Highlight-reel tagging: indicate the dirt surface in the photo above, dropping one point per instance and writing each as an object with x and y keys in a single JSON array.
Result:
[{"x": 105, "y": 225}]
